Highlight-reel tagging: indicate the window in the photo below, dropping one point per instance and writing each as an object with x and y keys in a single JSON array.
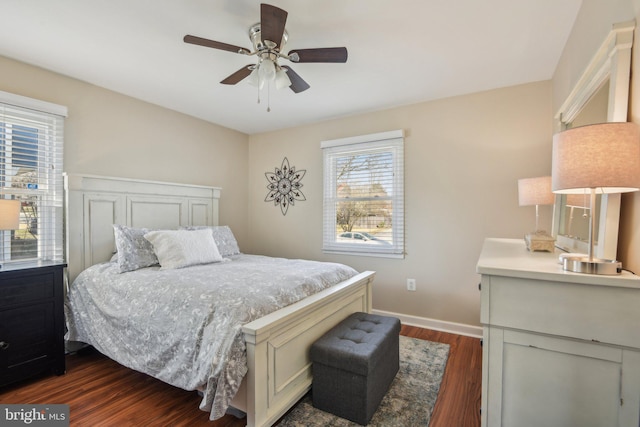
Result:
[
  {"x": 364, "y": 195},
  {"x": 31, "y": 142}
]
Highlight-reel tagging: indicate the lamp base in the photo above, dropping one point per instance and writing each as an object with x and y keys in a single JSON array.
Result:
[
  {"x": 582, "y": 264},
  {"x": 539, "y": 241}
]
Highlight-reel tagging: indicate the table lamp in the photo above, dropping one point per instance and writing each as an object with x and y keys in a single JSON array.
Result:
[
  {"x": 9, "y": 215},
  {"x": 577, "y": 201},
  {"x": 537, "y": 191},
  {"x": 597, "y": 159}
]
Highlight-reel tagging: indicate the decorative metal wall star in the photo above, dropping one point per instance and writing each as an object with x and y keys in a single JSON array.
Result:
[{"x": 284, "y": 186}]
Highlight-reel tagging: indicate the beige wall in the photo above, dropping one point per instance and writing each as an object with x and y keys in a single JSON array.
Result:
[
  {"x": 592, "y": 26},
  {"x": 463, "y": 157},
  {"x": 110, "y": 134}
]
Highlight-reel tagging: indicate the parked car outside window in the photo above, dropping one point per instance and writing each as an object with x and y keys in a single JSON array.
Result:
[{"x": 361, "y": 237}]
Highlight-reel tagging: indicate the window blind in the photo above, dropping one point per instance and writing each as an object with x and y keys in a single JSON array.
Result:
[
  {"x": 31, "y": 153},
  {"x": 364, "y": 195}
]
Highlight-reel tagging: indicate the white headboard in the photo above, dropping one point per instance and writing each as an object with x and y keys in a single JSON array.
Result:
[{"x": 95, "y": 203}]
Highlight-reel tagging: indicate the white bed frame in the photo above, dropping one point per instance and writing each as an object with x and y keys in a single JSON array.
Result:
[{"x": 277, "y": 344}]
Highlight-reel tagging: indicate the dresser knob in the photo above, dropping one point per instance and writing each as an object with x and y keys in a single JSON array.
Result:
[{"x": 4, "y": 345}]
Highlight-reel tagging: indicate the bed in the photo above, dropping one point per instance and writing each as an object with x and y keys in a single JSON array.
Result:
[{"x": 275, "y": 345}]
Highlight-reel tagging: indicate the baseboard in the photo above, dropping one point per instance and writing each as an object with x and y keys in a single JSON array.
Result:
[{"x": 436, "y": 325}]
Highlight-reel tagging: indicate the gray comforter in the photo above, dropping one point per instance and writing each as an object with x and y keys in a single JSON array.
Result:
[{"x": 184, "y": 326}]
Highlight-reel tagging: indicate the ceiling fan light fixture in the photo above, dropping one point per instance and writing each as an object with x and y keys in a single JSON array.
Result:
[
  {"x": 267, "y": 70},
  {"x": 282, "y": 79},
  {"x": 254, "y": 78}
]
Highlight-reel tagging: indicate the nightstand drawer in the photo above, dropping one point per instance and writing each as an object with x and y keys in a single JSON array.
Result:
[
  {"x": 26, "y": 288},
  {"x": 27, "y": 333}
]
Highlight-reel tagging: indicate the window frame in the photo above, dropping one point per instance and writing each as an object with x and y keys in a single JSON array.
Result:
[
  {"x": 35, "y": 129},
  {"x": 385, "y": 142}
]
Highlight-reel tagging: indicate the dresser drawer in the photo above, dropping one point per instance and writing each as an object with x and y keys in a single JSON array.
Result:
[
  {"x": 26, "y": 288},
  {"x": 589, "y": 312}
]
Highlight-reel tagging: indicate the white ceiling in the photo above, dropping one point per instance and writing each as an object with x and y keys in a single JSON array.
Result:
[{"x": 400, "y": 52}]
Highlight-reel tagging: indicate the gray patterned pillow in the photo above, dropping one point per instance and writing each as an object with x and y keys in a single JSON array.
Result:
[
  {"x": 133, "y": 250},
  {"x": 223, "y": 236}
]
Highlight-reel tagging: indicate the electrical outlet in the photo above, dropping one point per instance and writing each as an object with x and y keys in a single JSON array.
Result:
[{"x": 411, "y": 284}]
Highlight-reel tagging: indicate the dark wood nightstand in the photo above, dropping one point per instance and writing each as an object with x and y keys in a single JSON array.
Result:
[{"x": 31, "y": 320}]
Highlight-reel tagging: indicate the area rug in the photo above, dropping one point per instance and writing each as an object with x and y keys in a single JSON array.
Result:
[{"x": 409, "y": 401}]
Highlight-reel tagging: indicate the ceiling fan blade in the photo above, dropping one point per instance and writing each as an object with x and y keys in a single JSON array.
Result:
[
  {"x": 238, "y": 75},
  {"x": 272, "y": 22},
  {"x": 297, "y": 84},
  {"x": 323, "y": 54},
  {"x": 214, "y": 44}
]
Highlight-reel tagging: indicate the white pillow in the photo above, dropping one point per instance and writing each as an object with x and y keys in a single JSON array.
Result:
[{"x": 182, "y": 248}]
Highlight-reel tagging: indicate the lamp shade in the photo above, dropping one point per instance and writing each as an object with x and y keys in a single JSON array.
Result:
[
  {"x": 604, "y": 157},
  {"x": 535, "y": 191},
  {"x": 9, "y": 214}
]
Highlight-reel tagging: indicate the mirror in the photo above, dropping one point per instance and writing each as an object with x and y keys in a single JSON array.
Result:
[
  {"x": 594, "y": 111},
  {"x": 601, "y": 95},
  {"x": 574, "y": 216}
]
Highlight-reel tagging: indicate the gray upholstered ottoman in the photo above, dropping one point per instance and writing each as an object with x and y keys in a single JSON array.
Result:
[{"x": 354, "y": 364}]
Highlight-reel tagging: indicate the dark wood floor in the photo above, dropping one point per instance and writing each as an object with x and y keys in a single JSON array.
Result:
[{"x": 102, "y": 393}]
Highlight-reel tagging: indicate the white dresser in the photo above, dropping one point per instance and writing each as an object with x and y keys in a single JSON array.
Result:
[{"x": 560, "y": 349}]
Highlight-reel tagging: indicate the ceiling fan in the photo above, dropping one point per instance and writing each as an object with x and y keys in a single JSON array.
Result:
[{"x": 269, "y": 38}]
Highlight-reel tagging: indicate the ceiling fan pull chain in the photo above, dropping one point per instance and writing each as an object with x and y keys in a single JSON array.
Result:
[{"x": 268, "y": 97}]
